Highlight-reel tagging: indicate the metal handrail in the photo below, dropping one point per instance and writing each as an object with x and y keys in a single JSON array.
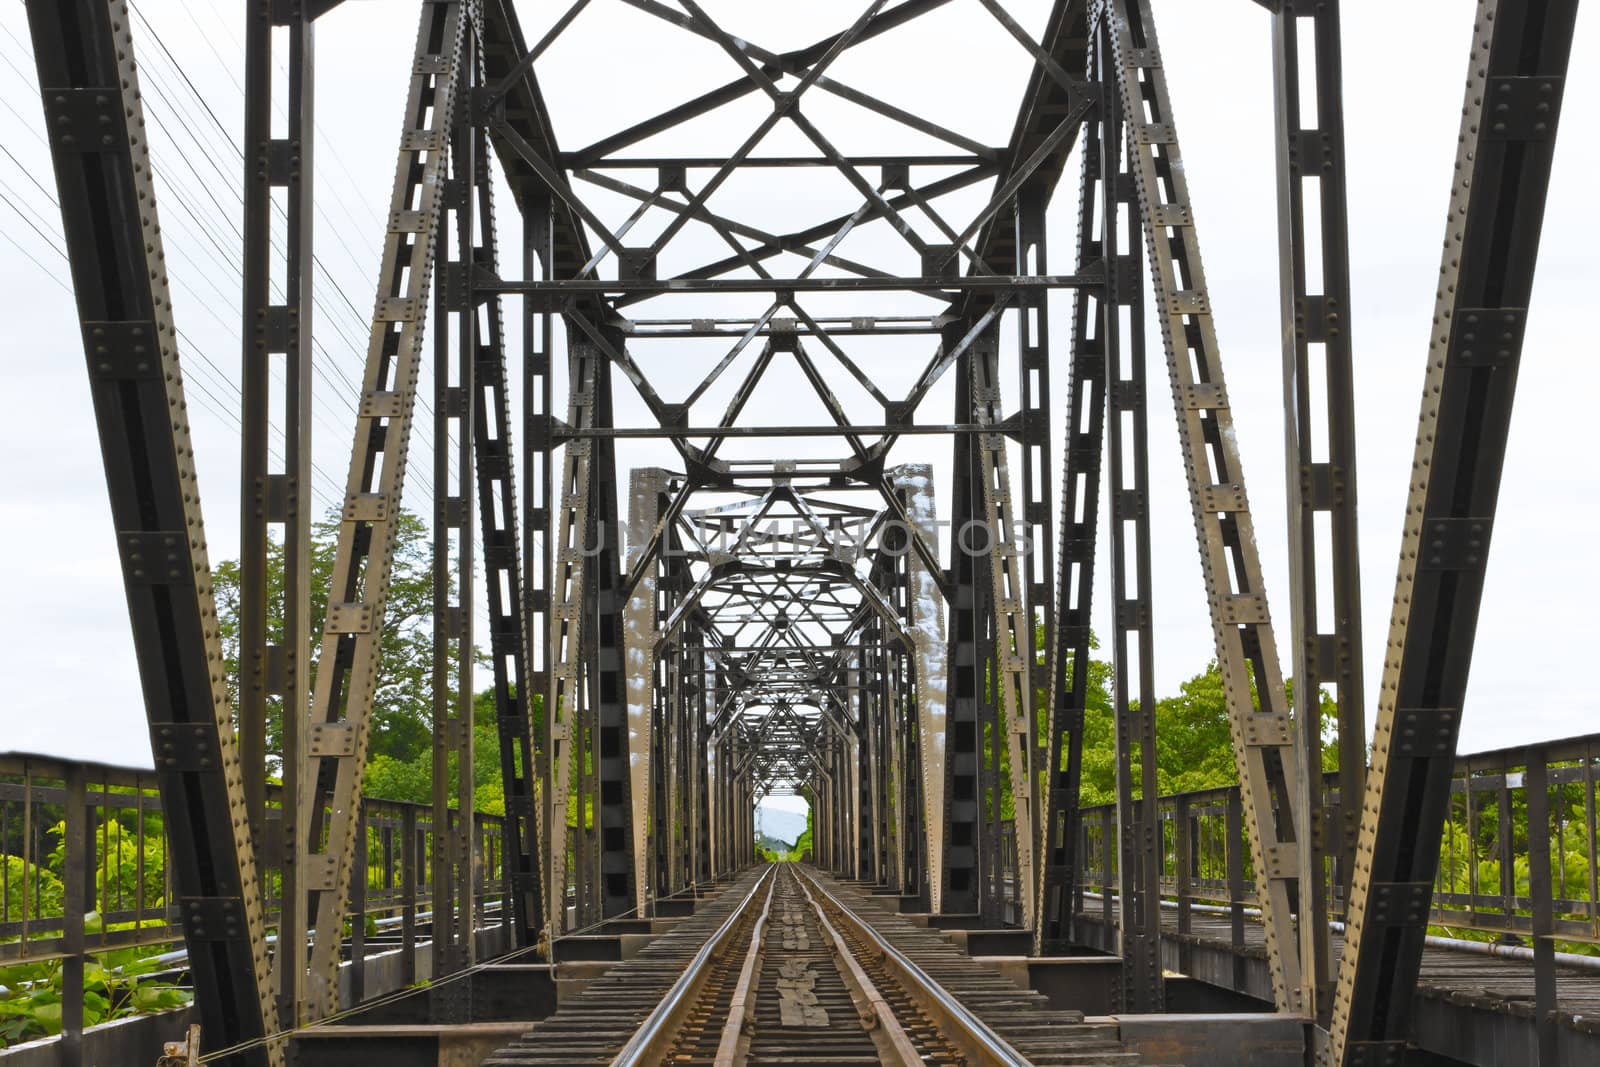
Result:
[
  {"x": 981, "y": 1042},
  {"x": 659, "y": 1023}
]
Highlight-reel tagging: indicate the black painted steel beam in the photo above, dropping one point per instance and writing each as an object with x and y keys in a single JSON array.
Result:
[
  {"x": 89, "y": 87},
  {"x": 1515, "y": 77}
]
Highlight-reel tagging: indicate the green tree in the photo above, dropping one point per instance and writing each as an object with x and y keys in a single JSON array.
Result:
[
  {"x": 41, "y": 886},
  {"x": 389, "y": 778},
  {"x": 1194, "y": 746},
  {"x": 402, "y": 705}
]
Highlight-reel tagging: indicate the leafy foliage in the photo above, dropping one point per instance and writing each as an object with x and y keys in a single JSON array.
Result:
[
  {"x": 42, "y": 886},
  {"x": 402, "y": 703},
  {"x": 116, "y": 983}
]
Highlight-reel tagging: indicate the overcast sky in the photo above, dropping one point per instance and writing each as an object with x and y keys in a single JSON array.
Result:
[{"x": 65, "y": 651}]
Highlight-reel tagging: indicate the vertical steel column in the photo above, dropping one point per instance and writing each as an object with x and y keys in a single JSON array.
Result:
[
  {"x": 672, "y": 770},
  {"x": 455, "y": 394},
  {"x": 1319, "y": 448},
  {"x": 880, "y": 764},
  {"x": 962, "y": 873},
  {"x": 1247, "y": 653},
  {"x": 868, "y": 831},
  {"x": 89, "y": 88},
  {"x": 563, "y": 700},
  {"x": 1070, "y": 647},
  {"x": 1133, "y": 694},
  {"x": 276, "y": 673},
  {"x": 1037, "y": 553},
  {"x": 612, "y": 863},
  {"x": 1012, "y": 669},
  {"x": 1133, "y": 640},
  {"x": 336, "y": 744},
  {"x": 646, "y": 487},
  {"x": 538, "y": 545},
  {"x": 666, "y": 667},
  {"x": 504, "y": 576},
  {"x": 700, "y": 815},
  {"x": 925, "y": 621},
  {"x": 1515, "y": 77}
]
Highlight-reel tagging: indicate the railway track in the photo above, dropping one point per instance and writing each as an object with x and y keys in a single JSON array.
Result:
[{"x": 786, "y": 967}]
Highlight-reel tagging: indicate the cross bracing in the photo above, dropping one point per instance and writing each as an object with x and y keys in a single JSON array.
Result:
[{"x": 794, "y": 294}]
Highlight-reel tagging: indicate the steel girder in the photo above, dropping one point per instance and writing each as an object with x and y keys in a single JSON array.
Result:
[
  {"x": 336, "y": 742},
  {"x": 971, "y": 814},
  {"x": 1246, "y": 650},
  {"x": 1314, "y": 266},
  {"x": 1515, "y": 75},
  {"x": 1012, "y": 665},
  {"x": 640, "y": 619},
  {"x": 610, "y": 861},
  {"x": 926, "y": 619},
  {"x": 1133, "y": 641},
  {"x": 89, "y": 85},
  {"x": 1069, "y": 645},
  {"x": 455, "y": 400},
  {"x": 280, "y": 670},
  {"x": 504, "y": 576},
  {"x": 567, "y": 596}
]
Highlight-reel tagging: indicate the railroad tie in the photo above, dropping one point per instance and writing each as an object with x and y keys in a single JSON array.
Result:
[{"x": 796, "y": 985}]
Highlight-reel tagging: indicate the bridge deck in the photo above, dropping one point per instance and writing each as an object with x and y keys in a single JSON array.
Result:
[{"x": 1473, "y": 1007}]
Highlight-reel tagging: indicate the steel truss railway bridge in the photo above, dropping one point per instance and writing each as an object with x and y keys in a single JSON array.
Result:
[{"x": 670, "y": 644}]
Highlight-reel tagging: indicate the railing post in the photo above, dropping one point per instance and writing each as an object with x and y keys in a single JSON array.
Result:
[
  {"x": 1233, "y": 831},
  {"x": 358, "y": 913},
  {"x": 1505, "y": 839},
  {"x": 1589, "y": 835},
  {"x": 1537, "y": 784},
  {"x": 408, "y": 894},
  {"x": 1108, "y": 849},
  {"x": 77, "y": 900},
  {"x": 1183, "y": 860}
]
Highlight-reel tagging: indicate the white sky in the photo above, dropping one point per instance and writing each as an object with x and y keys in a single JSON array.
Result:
[{"x": 65, "y": 650}]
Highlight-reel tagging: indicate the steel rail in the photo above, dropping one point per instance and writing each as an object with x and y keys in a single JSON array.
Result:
[
  {"x": 728, "y": 1046},
  {"x": 954, "y": 1019},
  {"x": 880, "y": 1015},
  {"x": 660, "y": 1026}
]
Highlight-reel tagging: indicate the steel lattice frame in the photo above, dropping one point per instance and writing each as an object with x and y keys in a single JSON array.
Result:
[{"x": 776, "y": 622}]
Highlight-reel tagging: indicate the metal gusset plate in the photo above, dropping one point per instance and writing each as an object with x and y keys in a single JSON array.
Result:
[
  {"x": 89, "y": 84},
  {"x": 1246, "y": 649},
  {"x": 1515, "y": 75},
  {"x": 330, "y": 793}
]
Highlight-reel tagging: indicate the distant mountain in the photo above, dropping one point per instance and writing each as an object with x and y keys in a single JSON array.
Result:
[
  {"x": 783, "y": 825},
  {"x": 772, "y": 844}
]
